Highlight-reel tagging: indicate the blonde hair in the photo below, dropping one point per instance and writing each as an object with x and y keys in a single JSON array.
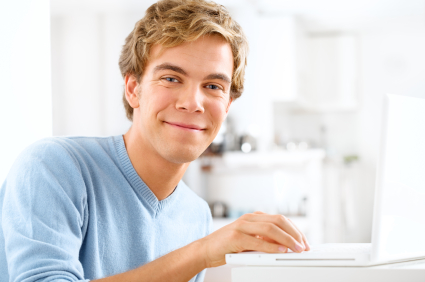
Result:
[{"x": 170, "y": 23}]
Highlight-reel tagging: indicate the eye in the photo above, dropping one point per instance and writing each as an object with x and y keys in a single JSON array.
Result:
[
  {"x": 171, "y": 79},
  {"x": 213, "y": 87}
]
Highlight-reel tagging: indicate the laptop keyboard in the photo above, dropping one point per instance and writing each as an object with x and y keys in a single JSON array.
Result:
[{"x": 341, "y": 248}]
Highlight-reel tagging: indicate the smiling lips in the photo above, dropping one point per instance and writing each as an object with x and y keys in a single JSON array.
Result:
[{"x": 189, "y": 127}]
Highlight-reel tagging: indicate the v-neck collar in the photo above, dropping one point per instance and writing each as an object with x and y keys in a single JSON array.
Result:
[{"x": 139, "y": 186}]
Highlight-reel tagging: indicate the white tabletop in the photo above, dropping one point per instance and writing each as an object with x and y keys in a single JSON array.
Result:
[{"x": 407, "y": 271}]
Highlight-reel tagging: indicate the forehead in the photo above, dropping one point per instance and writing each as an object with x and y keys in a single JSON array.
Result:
[{"x": 209, "y": 54}]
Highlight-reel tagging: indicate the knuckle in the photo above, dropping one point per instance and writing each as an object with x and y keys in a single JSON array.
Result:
[
  {"x": 238, "y": 223},
  {"x": 287, "y": 240},
  {"x": 259, "y": 244},
  {"x": 245, "y": 216},
  {"x": 269, "y": 227},
  {"x": 299, "y": 238},
  {"x": 269, "y": 248},
  {"x": 282, "y": 218}
]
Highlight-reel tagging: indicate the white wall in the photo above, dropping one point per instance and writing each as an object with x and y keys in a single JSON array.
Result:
[
  {"x": 77, "y": 86},
  {"x": 87, "y": 84},
  {"x": 25, "y": 99},
  {"x": 392, "y": 61}
]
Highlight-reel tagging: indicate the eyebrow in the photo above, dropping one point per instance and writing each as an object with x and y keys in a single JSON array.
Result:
[
  {"x": 218, "y": 76},
  {"x": 168, "y": 66}
]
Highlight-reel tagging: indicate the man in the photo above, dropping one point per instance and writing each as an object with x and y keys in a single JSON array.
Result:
[{"x": 114, "y": 208}]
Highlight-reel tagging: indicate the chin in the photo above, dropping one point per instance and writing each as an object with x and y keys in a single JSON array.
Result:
[{"x": 181, "y": 154}]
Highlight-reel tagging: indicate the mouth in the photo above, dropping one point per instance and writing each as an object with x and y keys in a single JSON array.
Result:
[{"x": 189, "y": 127}]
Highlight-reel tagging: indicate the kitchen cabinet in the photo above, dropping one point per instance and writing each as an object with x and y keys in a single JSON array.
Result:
[
  {"x": 312, "y": 70},
  {"x": 282, "y": 182},
  {"x": 277, "y": 57},
  {"x": 328, "y": 72}
]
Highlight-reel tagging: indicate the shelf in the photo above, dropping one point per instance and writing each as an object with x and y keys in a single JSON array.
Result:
[{"x": 272, "y": 159}]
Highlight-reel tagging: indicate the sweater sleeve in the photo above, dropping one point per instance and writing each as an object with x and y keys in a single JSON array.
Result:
[
  {"x": 210, "y": 228},
  {"x": 44, "y": 215}
]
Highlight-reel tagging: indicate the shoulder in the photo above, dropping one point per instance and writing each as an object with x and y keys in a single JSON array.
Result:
[
  {"x": 45, "y": 151},
  {"x": 61, "y": 149},
  {"x": 48, "y": 158},
  {"x": 60, "y": 158},
  {"x": 47, "y": 171}
]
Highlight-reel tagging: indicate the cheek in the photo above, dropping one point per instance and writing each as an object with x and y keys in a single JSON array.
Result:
[
  {"x": 218, "y": 112},
  {"x": 154, "y": 101}
]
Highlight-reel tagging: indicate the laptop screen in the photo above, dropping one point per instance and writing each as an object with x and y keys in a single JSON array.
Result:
[{"x": 399, "y": 215}]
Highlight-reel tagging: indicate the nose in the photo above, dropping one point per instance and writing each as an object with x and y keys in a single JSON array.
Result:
[{"x": 190, "y": 100}]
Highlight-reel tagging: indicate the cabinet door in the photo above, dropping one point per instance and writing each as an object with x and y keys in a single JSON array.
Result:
[{"x": 331, "y": 82}]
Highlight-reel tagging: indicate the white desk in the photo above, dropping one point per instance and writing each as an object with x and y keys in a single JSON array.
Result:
[{"x": 400, "y": 272}]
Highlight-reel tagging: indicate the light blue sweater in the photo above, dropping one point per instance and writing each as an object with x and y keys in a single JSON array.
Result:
[{"x": 74, "y": 209}]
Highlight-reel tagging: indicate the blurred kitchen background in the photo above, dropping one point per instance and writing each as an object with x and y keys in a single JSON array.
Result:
[{"x": 304, "y": 137}]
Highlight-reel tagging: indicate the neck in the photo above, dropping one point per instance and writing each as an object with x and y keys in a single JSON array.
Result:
[{"x": 159, "y": 174}]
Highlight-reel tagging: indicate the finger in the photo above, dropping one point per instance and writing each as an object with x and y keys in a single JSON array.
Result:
[
  {"x": 303, "y": 239},
  {"x": 279, "y": 220},
  {"x": 270, "y": 230},
  {"x": 250, "y": 243},
  {"x": 268, "y": 239},
  {"x": 307, "y": 245}
]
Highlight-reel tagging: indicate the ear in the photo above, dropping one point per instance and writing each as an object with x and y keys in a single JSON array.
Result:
[
  {"x": 131, "y": 89},
  {"x": 228, "y": 105}
]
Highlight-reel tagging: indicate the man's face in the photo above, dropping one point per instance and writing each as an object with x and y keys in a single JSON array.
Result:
[{"x": 184, "y": 97}]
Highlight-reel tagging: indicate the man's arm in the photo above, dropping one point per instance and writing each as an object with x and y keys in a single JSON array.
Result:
[
  {"x": 42, "y": 215},
  {"x": 43, "y": 243},
  {"x": 257, "y": 232},
  {"x": 180, "y": 265}
]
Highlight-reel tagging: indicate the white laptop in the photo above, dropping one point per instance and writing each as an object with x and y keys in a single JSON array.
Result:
[{"x": 398, "y": 232}]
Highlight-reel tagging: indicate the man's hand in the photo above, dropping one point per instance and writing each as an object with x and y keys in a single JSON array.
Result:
[{"x": 256, "y": 231}]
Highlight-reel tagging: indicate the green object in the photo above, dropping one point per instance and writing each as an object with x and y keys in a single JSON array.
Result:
[{"x": 350, "y": 159}]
